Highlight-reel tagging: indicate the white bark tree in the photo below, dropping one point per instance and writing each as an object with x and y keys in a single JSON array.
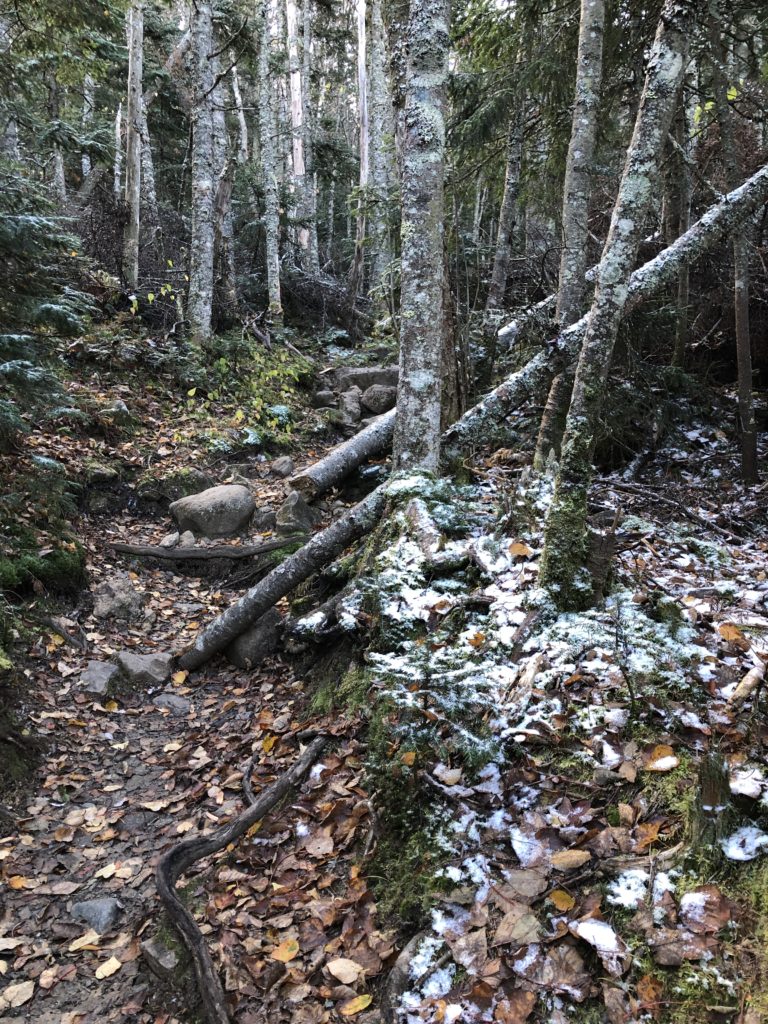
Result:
[
  {"x": 564, "y": 561},
  {"x": 133, "y": 112},
  {"x": 117, "y": 170},
  {"x": 86, "y": 119},
  {"x": 507, "y": 216},
  {"x": 201, "y": 246},
  {"x": 382, "y": 168},
  {"x": 356, "y": 273},
  {"x": 577, "y": 187},
  {"x": 269, "y": 166},
  {"x": 417, "y": 432}
]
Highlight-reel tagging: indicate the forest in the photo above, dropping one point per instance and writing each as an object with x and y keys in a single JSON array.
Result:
[{"x": 383, "y": 536}]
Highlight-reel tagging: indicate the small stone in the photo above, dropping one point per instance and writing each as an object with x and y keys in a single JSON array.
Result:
[
  {"x": 187, "y": 539},
  {"x": 161, "y": 959},
  {"x": 101, "y": 914},
  {"x": 258, "y": 642},
  {"x": 281, "y": 723},
  {"x": 294, "y": 515},
  {"x": 176, "y": 704},
  {"x": 283, "y": 466},
  {"x": 379, "y": 398},
  {"x": 117, "y": 598},
  {"x": 98, "y": 677},
  {"x": 218, "y": 512},
  {"x": 264, "y": 519},
  {"x": 323, "y": 399},
  {"x": 170, "y": 540},
  {"x": 349, "y": 405},
  {"x": 144, "y": 669},
  {"x": 118, "y": 413},
  {"x": 364, "y": 376}
]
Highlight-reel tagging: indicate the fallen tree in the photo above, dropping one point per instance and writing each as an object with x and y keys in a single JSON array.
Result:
[
  {"x": 198, "y": 553},
  {"x": 531, "y": 381},
  {"x": 339, "y": 463}
]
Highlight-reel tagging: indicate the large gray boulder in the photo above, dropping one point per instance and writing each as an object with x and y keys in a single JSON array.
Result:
[
  {"x": 258, "y": 642},
  {"x": 144, "y": 669},
  {"x": 98, "y": 678},
  {"x": 364, "y": 376},
  {"x": 294, "y": 515},
  {"x": 217, "y": 512},
  {"x": 379, "y": 398},
  {"x": 117, "y": 598}
]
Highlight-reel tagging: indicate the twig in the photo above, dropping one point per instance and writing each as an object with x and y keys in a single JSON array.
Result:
[
  {"x": 183, "y": 855},
  {"x": 619, "y": 485}
]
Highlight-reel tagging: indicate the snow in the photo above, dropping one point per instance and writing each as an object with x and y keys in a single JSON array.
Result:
[
  {"x": 629, "y": 890},
  {"x": 693, "y": 905},
  {"x": 745, "y": 844},
  {"x": 598, "y": 934},
  {"x": 748, "y": 782}
]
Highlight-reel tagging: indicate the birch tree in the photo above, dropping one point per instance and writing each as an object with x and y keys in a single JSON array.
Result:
[
  {"x": 133, "y": 119},
  {"x": 382, "y": 169},
  {"x": 269, "y": 164},
  {"x": 507, "y": 216},
  {"x": 201, "y": 245},
  {"x": 564, "y": 560},
  {"x": 356, "y": 273},
  {"x": 417, "y": 432},
  {"x": 577, "y": 187}
]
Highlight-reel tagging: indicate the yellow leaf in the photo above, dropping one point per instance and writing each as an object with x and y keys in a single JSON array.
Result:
[
  {"x": 178, "y": 677},
  {"x": 108, "y": 968},
  {"x": 661, "y": 759},
  {"x": 733, "y": 635},
  {"x": 562, "y": 900},
  {"x": 88, "y": 941},
  {"x": 286, "y": 951},
  {"x": 267, "y": 743},
  {"x": 566, "y": 860},
  {"x": 253, "y": 829},
  {"x": 408, "y": 758},
  {"x": 169, "y": 748},
  {"x": 356, "y": 1005},
  {"x": 477, "y": 640},
  {"x": 18, "y": 882},
  {"x": 111, "y": 705},
  {"x": 520, "y": 550}
]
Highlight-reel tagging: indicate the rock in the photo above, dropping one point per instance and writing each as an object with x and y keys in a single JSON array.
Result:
[
  {"x": 101, "y": 914},
  {"x": 186, "y": 539},
  {"x": 379, "y": 398},
  {"x": 170, "y": 540},
  {"x": 294, "y": 516},
  {"x": 323, "y": 399},
  {"x": 176, "y": 704},
  {"x": 98, "y": 678},
  {"x": 264, "y": 519},
  {"x": 117, "y": 598},
  {"x": 349, "y": 405},
  {"x": 283, "y": 466},
  {"x": 160, "y": 959},
  {"x": 118, "y": 413},
  {"x": 218, "y": 512},
  {"x": 364, "y": 376},
  {"x": 144, "y": 669},
  {"x": 258, "y": 642},
  {"x": 281, "y": 413},
  {"x": 175, "y": 485}
]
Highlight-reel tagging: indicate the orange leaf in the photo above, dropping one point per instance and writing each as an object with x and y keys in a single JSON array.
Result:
[
  {"x": 566, "y": 860},
  {"x": 647, "y": 833},
  {"x": 17, "y": 881},
  {"x": 408, "y": 758},
  {"x": 733, "y": 635},
  {"x": 286, "y": 951},
  {"x": 661, "y": 759},
  {"x": 477, "y": 640},
  {"x": 520, "y": 550},
  {"x": 562, "y": 900},
  {"x": 356, "y": 1005}
]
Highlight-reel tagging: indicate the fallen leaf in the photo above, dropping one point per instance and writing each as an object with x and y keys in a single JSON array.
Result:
[
  {"x": 286, "y": 951},
  {"x": 88, "y": 941},
  {"x": 108, "y": 968},
  {"x": 733, "y": 635},
  {"x": 356, "y": 1005},
  {"x": 345, "y": 971},
  {"x": 268, "y": 743},
  {"x": 179, "y": 677},
  {"x": 520, "y": 550},
  {"x": 649, "y": 992},
  {"x": 16, "y": 995},
  {"x": 408, "y": 758},
  {"x": 19, "y": 882},
  {"x": 567, "y": 860},
  {"x": 516, "y": 1008},
  {"x": 155, "y": 805},
  {"x": 448, "y": 776},
  {"x": 661, "y": 759},
  {"x": 646, "y": 833},
  {"x": 519, "y": 926},
  {"x": 562, "y": 900},
  {"x": 477, "y": 640}
]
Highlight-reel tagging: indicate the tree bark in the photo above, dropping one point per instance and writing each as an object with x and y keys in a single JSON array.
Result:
[
  {"x": 86, "y": 119},
  {"x": 201, "y": 246},
  {"x": 297, "y": 129},
  {"x": 268, "y": 147},
  {"x": 133, "y": 144},
  {"x": 577, "y": 188},
  {"x": 563, "y": 565},
  {"x": 148, "y": 188},
  {"x": 310, "y": 179},
  {"x": 117, "y": 172},
  {"x": 356, "y": 271},
  {"x": 340, "y": 462},
  {"x": 417, "y": 431},
  {"x": 382, "y": 170},
  {"x": 507, "y": 216}
]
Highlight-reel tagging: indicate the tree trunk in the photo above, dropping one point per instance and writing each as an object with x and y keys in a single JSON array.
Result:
[
  {"x": 356, "y": 272},
  {"x": 269, "y": 156},
  {"x": 242, "y": 124},
  {"x": 148, "y": 187},
  {"x": 577, "y": 188},
  {"x": 224, "y": 160},
  {"x": 740, "y": 243},
  {"x": 417, "y": 432},
  {"x": 684, "y": 208},
  {"x": 201, "y": 246},
  {"x": 133, "y": 119},
  {"x": 382, "y": 171},
  {"x": 345, "y": 458},
  {"x": 507, "y": 217},
  {"x": 117, "y": 173},
  {"x": 297, "y": 129},
  {"x": 563, "y": 565},
  {"x": 86, "y": 119},
  {"x": 310, "y": 178}
]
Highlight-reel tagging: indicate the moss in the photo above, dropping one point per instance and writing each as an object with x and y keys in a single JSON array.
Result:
[
  {"x": 349, "y": 695},
  {"x": 748, "y": 885}
]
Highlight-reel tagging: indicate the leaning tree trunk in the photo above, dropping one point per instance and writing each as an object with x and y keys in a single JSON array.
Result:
[
  {"x": 201, "y": 246},
  {"x": 507, "y": 216},
  {"x": 563, "y": 564},
  {"x": 417, "y": 431},
  {"x": 269, "y": 157},
  {"x": 133, "y": 119},
  {"x": 577, "y": 188},
  {"x": 472, "y": 428},
  {"x": 740, "y": 243}
]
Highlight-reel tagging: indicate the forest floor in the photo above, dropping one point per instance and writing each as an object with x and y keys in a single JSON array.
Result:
[{"x": 569, "y": 812}]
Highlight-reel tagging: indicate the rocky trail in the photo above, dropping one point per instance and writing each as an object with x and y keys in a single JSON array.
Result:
[{"x": 557, "y": 816}]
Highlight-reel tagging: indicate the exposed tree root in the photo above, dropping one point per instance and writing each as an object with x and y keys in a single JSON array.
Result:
[
  {"x": 183, "y": 855},
  {"x": 204, "y": 554}
]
